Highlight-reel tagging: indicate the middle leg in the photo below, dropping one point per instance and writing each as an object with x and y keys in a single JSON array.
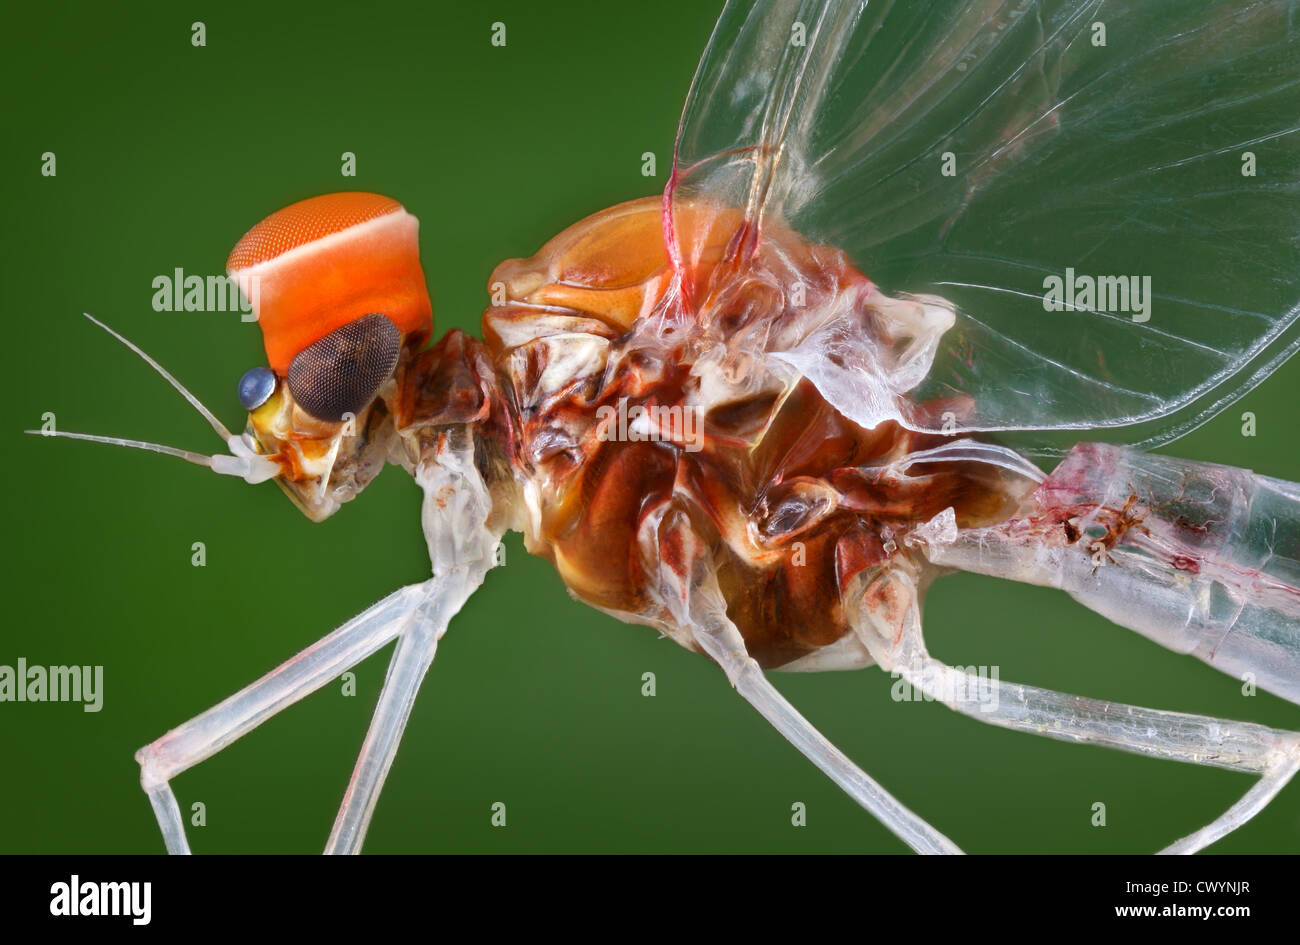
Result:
[{"x": 689, "y": 591}]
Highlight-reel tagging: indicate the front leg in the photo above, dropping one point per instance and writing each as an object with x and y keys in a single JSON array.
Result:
[
  {"x": 411, "y": 661},
  {"x": 206, "y": 734},
  {"x": 457, "y": 507},
  {"x": 455, "y": 514}
]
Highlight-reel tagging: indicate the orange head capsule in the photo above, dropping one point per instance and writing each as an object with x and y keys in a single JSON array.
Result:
[
  {"x": 336, "y": 284},
  {"x": 327, "y": 261}
]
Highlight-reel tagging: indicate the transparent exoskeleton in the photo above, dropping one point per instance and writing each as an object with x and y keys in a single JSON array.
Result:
[{"x": 905, "y": 248}]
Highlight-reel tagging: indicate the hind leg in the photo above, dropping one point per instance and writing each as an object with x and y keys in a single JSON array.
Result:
[{"x": 887, "y": 620}]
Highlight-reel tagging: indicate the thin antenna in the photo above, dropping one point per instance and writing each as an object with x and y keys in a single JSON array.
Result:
[
  {"x": 243, "y": 461},
  {"x": 216, "y": 424},
  {"x": 198, "y": 459}
]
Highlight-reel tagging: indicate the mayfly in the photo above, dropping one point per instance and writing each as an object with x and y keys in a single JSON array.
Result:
[{"x": 905, "y": 249}]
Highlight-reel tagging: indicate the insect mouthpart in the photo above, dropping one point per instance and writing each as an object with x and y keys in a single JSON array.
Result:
[{"x": 324, "y": 463}]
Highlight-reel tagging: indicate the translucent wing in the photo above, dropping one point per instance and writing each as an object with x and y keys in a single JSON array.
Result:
[{"x": 1014, "y": 156}]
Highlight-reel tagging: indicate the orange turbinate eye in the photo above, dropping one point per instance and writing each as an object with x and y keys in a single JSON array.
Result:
[{"x": 325, "y": 262}]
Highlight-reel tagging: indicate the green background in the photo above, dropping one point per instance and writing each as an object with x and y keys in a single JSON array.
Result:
[{"x": 166, "y": 154}]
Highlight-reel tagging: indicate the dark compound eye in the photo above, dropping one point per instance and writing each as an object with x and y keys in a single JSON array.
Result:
[
  {"x": 340, "y": 373},
  {"x": 256, "y": 387}
]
